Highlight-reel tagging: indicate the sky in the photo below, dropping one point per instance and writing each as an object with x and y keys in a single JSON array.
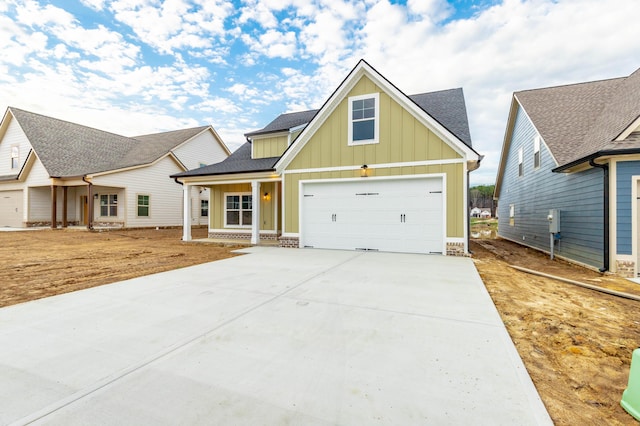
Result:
[{"x": 134, "y": 67}]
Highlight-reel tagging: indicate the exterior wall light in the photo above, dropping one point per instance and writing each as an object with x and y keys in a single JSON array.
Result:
[
  {"x": 364, "y": 170},
  {"x": 266, "y": 196}
]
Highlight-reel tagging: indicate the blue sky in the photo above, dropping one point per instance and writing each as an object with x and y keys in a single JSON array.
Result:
[{"x": 141, "y": 66}]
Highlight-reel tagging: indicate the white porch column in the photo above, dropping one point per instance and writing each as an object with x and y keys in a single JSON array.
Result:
[
  {"x": 255, "y": 212},
  {"x": 186, "y": 213}
]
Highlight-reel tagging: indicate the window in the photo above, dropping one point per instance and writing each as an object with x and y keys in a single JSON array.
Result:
[
  {"x": 15, "y": 157},
  {"x": 536, "y": 152},
  {"x": 363, "y": 119},
  {"x": 109, "y": 205},
  {"x": 512, "y": 214},
  {"x": 520, "y": 163},
  {"x": 237, "y": 210},
  {"x": 143, "y": 205},
  {"x": 204, "y": 208}
]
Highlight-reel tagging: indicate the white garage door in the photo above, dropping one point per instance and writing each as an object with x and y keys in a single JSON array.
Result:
[
  {"x": 11, "y": 209},
  {"x": 397, "y": 215}
]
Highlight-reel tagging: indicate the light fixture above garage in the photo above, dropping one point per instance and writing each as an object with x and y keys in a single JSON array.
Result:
[
  {"x": 266, "y": 196},
  {"x": 364, "y": 170}
]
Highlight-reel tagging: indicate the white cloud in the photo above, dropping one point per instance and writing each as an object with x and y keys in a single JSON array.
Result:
[
  {"x": 174, "y": 24},
  {"x": 273, "y": 44}
]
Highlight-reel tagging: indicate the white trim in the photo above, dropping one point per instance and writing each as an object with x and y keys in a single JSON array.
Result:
[
  {"x": 240, "y": 231},
  {"x": 284, "y": 207},
  {"x": 364, "y": 69},
  {"x": 613, "y": 219},
  {"x": 376, "y": 119},
  {"x": 377, "y": 166},
  {"x": 245, "y": 179},
  {"x": 634, "y": 126},
  {"x": 291, "y": 234},
  {"x": 186, "y": 213},
  {"x": 455, "y": 240},
  {"x": 256, "y": 199},
  {"x": 224, "y": 210},
  {"x": 442, "y": 176},
  {"x": 635, "y": 181},
  {"x": 465, "y": 203}
]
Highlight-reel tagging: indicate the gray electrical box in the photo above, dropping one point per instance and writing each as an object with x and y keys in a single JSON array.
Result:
[{"x": 554, "y": 221}]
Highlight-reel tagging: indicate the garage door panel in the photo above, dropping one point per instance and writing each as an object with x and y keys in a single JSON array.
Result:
[{"x": 404, "y": 215}]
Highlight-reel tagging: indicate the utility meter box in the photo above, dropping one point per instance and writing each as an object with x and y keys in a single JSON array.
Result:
[{"x": 554, "y": 221}]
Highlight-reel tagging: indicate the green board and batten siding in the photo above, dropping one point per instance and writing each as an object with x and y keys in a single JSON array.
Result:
[
  {"x": 216, "y": 215},
  {"x": 269, "y": 147},
  {"x": 402, "y": 138}
]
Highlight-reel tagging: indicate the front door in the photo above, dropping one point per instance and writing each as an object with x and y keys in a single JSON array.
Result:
[{"x": 84, "y": 202}]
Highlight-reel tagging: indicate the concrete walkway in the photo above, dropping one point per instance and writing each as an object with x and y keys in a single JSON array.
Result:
[{"x": 278, "y": 336}]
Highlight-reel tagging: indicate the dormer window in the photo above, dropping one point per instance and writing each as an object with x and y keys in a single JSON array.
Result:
[
  {"x": 364, "y": 123},
  {"x": 15, "y": 157}
]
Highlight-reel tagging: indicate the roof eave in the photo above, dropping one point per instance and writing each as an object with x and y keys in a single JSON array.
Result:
[{"x": 566, "y": 168}]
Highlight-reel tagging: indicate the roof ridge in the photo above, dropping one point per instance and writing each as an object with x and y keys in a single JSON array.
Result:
[
  {"x": 170, "y": 131},
  {"x": 571, "y": 84},
  {"x": 70, "y": 122}
]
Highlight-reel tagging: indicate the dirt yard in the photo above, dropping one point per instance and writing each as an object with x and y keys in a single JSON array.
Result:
[
  {"x": 36, "y": 264},
  {"x": 576, "y": 343}
]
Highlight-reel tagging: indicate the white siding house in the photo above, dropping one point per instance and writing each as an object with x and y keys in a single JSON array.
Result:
[{"x": 54, "y": 172}]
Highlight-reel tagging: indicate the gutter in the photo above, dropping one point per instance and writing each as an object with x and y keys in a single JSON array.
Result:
[
  {"x": 177, "y": 181},
  {"x": 605, "y": 194}
]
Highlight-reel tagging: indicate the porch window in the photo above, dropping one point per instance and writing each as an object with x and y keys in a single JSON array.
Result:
[
  {"x": 536, "y": 152},
  {"x": 109, "y": 205},
  {"x": 143, "y": 205},
  {"x": 238, "y": 210},
  {"x": 15, "y": 157},
  {"x": 364, "y": 120},
  {"x": 204, "y": 208}
]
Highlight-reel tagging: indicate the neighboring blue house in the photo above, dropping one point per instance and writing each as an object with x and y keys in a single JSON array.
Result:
[{"x": 575, "y": 148}]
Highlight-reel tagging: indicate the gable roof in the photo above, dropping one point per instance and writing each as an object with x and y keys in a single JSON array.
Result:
[
  {"x": 364, "y": 69},
  {"x": 285, "y": 122},
  {"x": 69, "y": 149},
  {"x": 449, "y": 109},
  {"x": 238, "y": 162},
  {"x": 579, "y": 120}
]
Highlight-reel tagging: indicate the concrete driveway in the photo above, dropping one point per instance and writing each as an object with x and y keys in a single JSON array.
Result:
[{"x": 275, "y": 337}]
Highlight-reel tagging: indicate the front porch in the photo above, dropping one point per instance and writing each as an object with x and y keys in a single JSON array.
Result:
[{"x": 241, "y": 212}]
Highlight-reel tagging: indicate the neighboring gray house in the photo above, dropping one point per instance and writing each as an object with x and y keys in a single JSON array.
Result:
[
  {"x": 575, "y": 148},
  {"x": 53, "y": 172}
]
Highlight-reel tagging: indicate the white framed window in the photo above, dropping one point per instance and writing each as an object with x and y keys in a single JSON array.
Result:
[
  {"x": 15, "y": 157},
  {"x": 109, "y": 205},
  {"x": 536, "y": 152},
  {"x": 512, "y": 214},
  {"x": 520, "y": 162},
  {"x": 364, "y": 119},
  {"x": 143, "y": 205},
  {"x": 204, "y": 208},
  {"x": 238, "y": 210}
]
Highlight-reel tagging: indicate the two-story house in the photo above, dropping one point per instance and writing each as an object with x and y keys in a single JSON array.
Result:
[{"x": 372, "y": 169}]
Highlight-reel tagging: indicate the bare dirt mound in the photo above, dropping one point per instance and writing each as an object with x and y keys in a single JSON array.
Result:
[{"x": 576, "y": 343}]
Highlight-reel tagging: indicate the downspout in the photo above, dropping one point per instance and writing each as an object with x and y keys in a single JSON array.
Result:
[
  {"x": 605, "y": 170},
  {"x": 89, "y": 202},
  {"x": 468, "y": 214},
  {"x": 177, "y": 181}
]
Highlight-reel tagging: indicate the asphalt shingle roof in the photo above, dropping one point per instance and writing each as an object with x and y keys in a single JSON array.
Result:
[
  {"x": 446, "y": 106},
  {"x": 581, "y": 119},
  {"x": 70, "y": 149},
  {"x": 238, "y": 162}
]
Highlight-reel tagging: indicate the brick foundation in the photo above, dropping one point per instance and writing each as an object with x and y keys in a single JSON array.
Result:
[
  {"x": 626, "y": 268},
  {"x": 242, "y": 236},
  {"x": 289, "y": 242},
  {"x": 456, "y": 249}
]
